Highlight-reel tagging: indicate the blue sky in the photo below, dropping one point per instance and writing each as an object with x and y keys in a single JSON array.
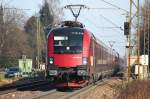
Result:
[{"x": 94, "y": 20}]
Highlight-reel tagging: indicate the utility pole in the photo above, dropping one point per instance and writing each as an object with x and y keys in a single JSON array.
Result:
[
  {"x": 128, "y": 25},
  {"x": 138, "y": 36},
  {"x": 38, "y": 45},
  {"x": 131, "y": 17},
  {"x": 111, "y": 43},
  {"x": 148, "y": 36},
  {"x": 129, "y": 41},
  {"x": 146, "y": 31}
]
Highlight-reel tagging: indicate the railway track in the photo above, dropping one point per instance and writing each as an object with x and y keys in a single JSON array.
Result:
[
  {"x": 52, "y": 94},
  {"x": 105, "y": 89},
  {"x": 27, "y": 86},
  {"x": 75, "y": 94},
  {"x": 43, "y": 91}
]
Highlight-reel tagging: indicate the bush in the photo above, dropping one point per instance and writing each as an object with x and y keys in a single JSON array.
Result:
[
  {"x": 5, "y": 62},
  {"x": 139, "y": 89}
]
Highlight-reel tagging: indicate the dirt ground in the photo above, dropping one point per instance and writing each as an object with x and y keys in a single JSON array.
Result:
[
  {"x": 19, "y": 94},
  {"x": 109, "y": 90}
]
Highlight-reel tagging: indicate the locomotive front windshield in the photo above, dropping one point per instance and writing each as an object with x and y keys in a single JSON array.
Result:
[{"x": 68, "y": 41}]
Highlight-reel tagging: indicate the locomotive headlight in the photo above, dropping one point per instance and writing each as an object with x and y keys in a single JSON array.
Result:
[
  {"x": 84, "y": 61},
  {"x": 51, "y": 60},
  {"x": 81, "y": 72}
]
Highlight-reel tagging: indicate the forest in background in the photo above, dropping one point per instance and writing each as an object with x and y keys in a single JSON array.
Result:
[{"x": 18, "y": 34}]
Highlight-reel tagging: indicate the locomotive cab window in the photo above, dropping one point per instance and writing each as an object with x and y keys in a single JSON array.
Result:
[{"x": 68, "y": 41}]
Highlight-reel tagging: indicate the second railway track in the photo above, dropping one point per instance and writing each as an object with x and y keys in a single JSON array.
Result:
[{"x": 33, "y": 85}]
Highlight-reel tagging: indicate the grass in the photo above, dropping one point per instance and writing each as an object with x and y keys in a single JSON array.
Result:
[{"x": 139, "y": 89}]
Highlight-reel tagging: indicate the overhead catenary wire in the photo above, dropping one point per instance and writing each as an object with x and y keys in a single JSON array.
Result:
[
  {"x": 109, "y": 27},
  {"x": 115, "y": 6},
  {"x": 111, "y": 22},
  {"x": 8, "y": 2},
  {"x": 12, "y": 8},
  {"x": 92, "y": 8},
  {"x": 17, "y": 9},
  {"x": 102, "y": 8},
  {"x": 89, "y": 21},
  {"x": 121, "y": 8},
  {"x": 97, "y": 27}
]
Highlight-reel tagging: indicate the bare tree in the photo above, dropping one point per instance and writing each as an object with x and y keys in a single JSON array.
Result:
[
  {"x": 10, "y": 19},
  {"x": 145, "y": 28},
  {"x": 13, "y": 41},
  {"x": 55, "y": 10}
]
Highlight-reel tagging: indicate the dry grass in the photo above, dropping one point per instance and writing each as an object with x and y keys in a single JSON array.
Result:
[
  {"x": 1, "y": 76},
  {"x": 139, "y": 89}
]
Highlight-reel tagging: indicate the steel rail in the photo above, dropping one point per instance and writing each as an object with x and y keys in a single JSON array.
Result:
[
  {"x": 10, "y": 89},
  {"x": 41, "y": 95},
  {"x": 84, "y": 90}
]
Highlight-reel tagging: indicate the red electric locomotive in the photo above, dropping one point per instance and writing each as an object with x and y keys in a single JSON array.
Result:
[{"x": 76, "y": 57}]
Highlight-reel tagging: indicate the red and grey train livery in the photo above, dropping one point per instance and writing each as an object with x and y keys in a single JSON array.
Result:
[{"x": 76, "y": 57}]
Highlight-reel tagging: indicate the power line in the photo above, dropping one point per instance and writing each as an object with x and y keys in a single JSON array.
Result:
[
  {"x": 16, "y": 8},
  {"x": 88, "y": 20},
  {"x": 11, "y": 8},
  {"x": 98, "y": 27},
  {"x": 112, "y": 22},
  {"x": 115, "y": 6},
  {"x": 102, "y": 8},
  {"x": 110, "y": 27},
  {"x": 8, "y": 2},
  {"x": 90, "y": 8}
]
